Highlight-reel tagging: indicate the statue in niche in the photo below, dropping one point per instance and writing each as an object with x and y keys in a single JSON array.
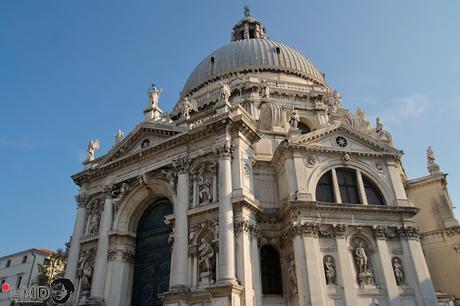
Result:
[
  {"x": 225, "y": 92},
  {"x": 93, "y": 146},
  {"x": 292, "y": 274},
  {"x": 361, "y": 258},
  {"x": 206, "y": 254},
  {"x": 398, "y": 270},
  {"x": 154, "y": 96},
  {"x": 188, "y": 106},
  {"x": 329, "y": 269},
  {"x": 94, "y": 224},
  {"x": 205, "y": 193},
  {"x": 265, "y": 90},
  {"x": 85, "y": 273},
  {"x": 294, "y": 119}
]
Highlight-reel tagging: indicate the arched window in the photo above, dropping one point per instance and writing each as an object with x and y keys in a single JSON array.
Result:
[
  {"x": 346, "y": 178},
  {"x": 324, "y": 190},
  {"x": 270, "y": 266},
  {"x": 304, "y": 129},
  {"x": 354, "y": 188},
  {"x": 373, "y": 194}
]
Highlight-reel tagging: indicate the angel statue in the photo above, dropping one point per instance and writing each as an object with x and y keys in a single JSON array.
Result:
[
  {"x": 154, "y": 95},
  {"x": 188, "y": 106},
  {"x": 119, "y": 136},
  {"x": 93, "y": 146},
  {"x": 225, "y": 91}
]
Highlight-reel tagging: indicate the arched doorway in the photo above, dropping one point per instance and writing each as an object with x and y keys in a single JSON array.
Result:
[{"x": 153, "y": 255}]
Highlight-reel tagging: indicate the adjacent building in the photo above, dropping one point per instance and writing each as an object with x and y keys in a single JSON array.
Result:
[
  {"x": 20, "y": 269},
  {"x": 258, "y": 188}
]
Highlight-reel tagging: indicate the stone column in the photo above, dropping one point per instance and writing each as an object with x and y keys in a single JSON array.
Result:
[
  {"x": 74, "y": 250},
  {"x": 243, "y": 230},
  {"x": 314, "y": 267},
  {"x": 256, "y": 273},
  {"x": 417, "y": 274},
  {"x": 301, "y": 271},
  {"x": 180, "y": 248},
  {"x": 119, "y": 284},
  {"x": 100, "y": 265},
  {"x": 347, "y": 277},
  {"x": 226, "y": 267},
  {"x": 387, "y": 268}
]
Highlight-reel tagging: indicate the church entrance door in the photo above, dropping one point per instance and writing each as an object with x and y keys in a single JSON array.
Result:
[{"x": 153, "y": 255}]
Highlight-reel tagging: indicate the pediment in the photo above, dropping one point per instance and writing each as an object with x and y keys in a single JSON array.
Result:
[
  {"x": 340, "y": 138},
  {"x": 144, "y": 136}
]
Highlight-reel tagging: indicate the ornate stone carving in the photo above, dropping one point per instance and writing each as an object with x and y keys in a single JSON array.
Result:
[
  {"x": 292, "y": 274},
  {"x": 206, "y": 262},
  {"x": 154, "y": 96},
  {"x": 142, "y": 179},
  {"x": 265, "y": 90},
  {"x": 346, "y": 157},
  {"x": 187, "y": 106},
  {"x": 339, "y": 229},
  {"x": 181, "y": 165},
  {"x": 94, "y": 216},
  {"x": 329, "y": 269},
  {"x": 81, "y": 199},
  {"x": 93, "y": 146},
  {"x": 433, "y": 167},
  {"x": 204, "y": 183},
  {"x": 248, "y": 227},
  {"x": 121, "y": 254},
  {"x": 225, "y": 92},
  {"x": 310, "y": 161},
  {"x": 398, "y": 270},
  {"x": 224, "y": 150},
  {"x": 197, "y": 230},
  {"x": 294, "y": 119},
  {"x": 407, "y": 232},
  {"x": 205, "y": 190}
]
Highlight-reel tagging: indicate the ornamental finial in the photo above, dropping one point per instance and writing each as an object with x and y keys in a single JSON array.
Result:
[{"x": 247, "y": 11}]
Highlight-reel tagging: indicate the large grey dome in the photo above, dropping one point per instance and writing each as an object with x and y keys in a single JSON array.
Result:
[{"x": 245, "y": 55}]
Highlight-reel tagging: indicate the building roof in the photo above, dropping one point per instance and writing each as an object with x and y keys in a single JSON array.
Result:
[{"x": 43, "y": 251}]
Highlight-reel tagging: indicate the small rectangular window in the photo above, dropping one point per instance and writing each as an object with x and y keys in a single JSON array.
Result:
[
  {"x": 8, "y": 263},
  {"x": 18, "y": 282},
  {"x": 24, "y": 259}
]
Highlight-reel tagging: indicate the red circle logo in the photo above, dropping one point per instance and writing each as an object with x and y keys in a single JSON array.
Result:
[{"x": 5, "y": 287}]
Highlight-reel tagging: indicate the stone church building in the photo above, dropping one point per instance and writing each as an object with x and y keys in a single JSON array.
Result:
[{"x": 258, "y": 188}]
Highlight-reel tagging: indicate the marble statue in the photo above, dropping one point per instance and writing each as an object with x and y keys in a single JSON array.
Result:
[
  {"x": 87, "y": 276},
  {"x": 398, "y": 271},
  {"x": 93, "y": 146},
  {"x": 94, "y": 224},
  {"x": 206, "y": 253},
  {"x": 294, "y": 119},
  {"x": 329, "y": 269},
  {"x": 361, "y": 258},
  {"x": 188, "y": 106},
  {"x": 119, "y": 136},
  {"x": 265, "y": 89},
  {"x": 205, "y": 193},
  {"x": 379, "y": 128},
  {"x": 154, "y": 96},
  {"x": 433, "y": 167},
  {"x": 225, "y": 92}
]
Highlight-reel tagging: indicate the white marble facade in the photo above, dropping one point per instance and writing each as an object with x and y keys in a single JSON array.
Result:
[{"x": 272, "y": 193}]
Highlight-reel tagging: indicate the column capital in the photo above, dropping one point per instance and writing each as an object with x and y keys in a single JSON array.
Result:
[
  {"x": 380, "y": 231},
  {"x": 81, "y": 199},
  {"x": 109, "y": 191},
  {"x": 246, "y": 226},
  {"x": 408, "y": 232},
  {"x": 182, "y": 165},
  {"x": 120, "y": 253},
  {"x": 224, "y": 151}
]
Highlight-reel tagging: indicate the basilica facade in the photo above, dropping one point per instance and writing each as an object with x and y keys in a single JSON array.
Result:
[{"x": 258, "y": 188}]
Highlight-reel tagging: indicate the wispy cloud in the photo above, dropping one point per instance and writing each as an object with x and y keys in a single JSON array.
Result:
[
  {"x": 409, "y": 107},
  {"x": 16, "y": 144}
]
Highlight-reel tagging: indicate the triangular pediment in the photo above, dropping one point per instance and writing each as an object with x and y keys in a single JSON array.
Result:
[
  {"x": 342, "y": 138},
  {"x": 144, "y": 136}
]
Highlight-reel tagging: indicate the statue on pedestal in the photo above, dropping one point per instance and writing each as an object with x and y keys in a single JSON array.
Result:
[
  {"x": 154, "y": 96},
  {"x": 329, "y": 269},
  {"x": 398, "y": 271},
  {"x": 294, "y": 119},
  {"x": 206, "y": 254},
  {"x": 433, "y": 167},
  {"x": 93, "y": 146}
]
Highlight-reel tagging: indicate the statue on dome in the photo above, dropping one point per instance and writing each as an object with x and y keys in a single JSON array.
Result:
[
  {"x": 294, "y": 119},
  {"x": 225, "y": 92},
  {"x": 188, "y": 106},
  {"x": 247, "y": 11},
  {"x": 154, "y": 95},
  {"x": 93, "y": 146},
  {"x": 265, "y": 89}
]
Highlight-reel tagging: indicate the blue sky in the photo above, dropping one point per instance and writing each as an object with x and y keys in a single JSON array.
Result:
[{"x": 71, "y": 71}]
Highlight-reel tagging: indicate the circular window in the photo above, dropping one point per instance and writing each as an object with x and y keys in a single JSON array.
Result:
[
  {"x": 341, "y": 141},
  {"x": 145, "y": 143}
]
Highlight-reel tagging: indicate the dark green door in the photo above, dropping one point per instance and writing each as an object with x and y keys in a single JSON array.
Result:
[{"x": 153, "y": 255}]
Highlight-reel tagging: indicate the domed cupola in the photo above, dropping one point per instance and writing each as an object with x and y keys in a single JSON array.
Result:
[{"x": 248, "y": 27}]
